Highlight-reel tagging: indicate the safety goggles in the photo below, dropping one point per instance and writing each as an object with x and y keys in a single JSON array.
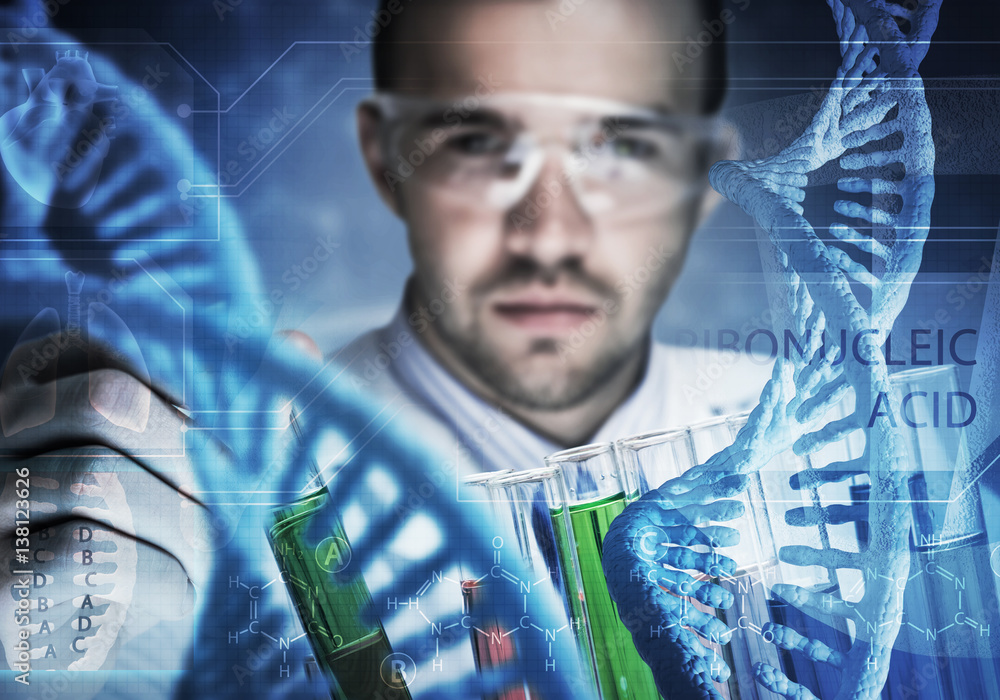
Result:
[{"x": 618, "y": 160}]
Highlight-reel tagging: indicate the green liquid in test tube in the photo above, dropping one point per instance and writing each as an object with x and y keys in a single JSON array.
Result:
[
  {"x": 347, "y": 648},
  {"x": 350, "y": 651},
  {"x": 597, "y": 496}
]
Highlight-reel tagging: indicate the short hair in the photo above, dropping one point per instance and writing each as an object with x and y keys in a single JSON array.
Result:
[{"x": 716, "y": 78}]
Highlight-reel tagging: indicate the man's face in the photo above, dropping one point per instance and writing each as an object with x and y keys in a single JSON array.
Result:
[{"x": 545, "y": 297}]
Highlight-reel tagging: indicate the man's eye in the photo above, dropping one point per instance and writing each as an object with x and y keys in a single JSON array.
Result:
[
  {"x": 478, "y": 144},
  {"x": 633, "y": 148}
]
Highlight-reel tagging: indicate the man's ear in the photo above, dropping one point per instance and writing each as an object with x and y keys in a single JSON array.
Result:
[
  {"x": 373, "y": 152},
  {"x": 726, "y": 146}
]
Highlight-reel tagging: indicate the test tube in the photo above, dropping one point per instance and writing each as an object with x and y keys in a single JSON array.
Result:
[
  {"x": 781, "y": 515},
  {"x": 536, "y": 499},
  {"x": 491, "y": 645},
  {"x": 650, "y": 460},
  {"x": 349, "y": 649},
  {"x": 950, "y": 602},
  {"x": 596, "y": 494}
]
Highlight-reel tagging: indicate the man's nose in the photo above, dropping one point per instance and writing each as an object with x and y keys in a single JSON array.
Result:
[{"x": 548, "y": 225}]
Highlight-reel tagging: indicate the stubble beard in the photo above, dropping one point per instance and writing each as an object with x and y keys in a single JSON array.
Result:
[{"x": 562, "y": 381}]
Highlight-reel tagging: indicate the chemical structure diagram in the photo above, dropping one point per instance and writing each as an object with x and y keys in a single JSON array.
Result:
[
  {"x": 253, "y": 633},
  {"x": 491, "y": 644}
]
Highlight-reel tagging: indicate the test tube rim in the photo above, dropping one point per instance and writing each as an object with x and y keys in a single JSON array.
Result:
[
  {"x": 710, "y": 422},
  {"x": 484, "y": 478},
  {"x": 527, "y": 476},
  {"x": 642, "y": 440},
  {"x": 580, "y": 453}
]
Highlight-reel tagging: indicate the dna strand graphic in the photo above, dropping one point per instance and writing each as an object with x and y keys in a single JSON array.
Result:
[
  {"x": 874, "y": 124},
  {"x": 231, "y": 392}
]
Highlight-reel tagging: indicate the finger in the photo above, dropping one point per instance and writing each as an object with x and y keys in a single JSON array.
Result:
[
  {"x": 711, "y": 563},
  {"x": 66, "y": 355},
  {"x": 873, "y": 133},
  {"x": 792, "y": 194},
  {"x": 834, "y": 431},
  {"x": 686, "y": 535},
  {"x": 682, "y": 665},
  {"x": 828, "y": 396},
  {"x": 867, "y": 185},
  {"x": 872, "y": 215},
  {"x": 829, "y": 515},
  {"x": 860, "y": 161},
  {"x": 790, "y": 178},
  {"x": 777, "y": 682},
  {"x": 681, "y": 584},
  {"x": 703, "y": 494},
  {"x": 853, "y": 269},
  {"x": 683, "y": 613},
  {"x": 718, "y": 512},
  {"x": 867, "y": 103},
  {"x": 832, "y": 473},
  {"x": 713, "y": 535},
  {"x": 812, "y": 649},
  {"x": 159, "y": 451},
  {"x": 83, "y": 403},
  {"x": 855, "y": 48},
  {"x": 860, "y": 241},
  {"x": 815, "y": 604},
  {"x": 114, "y": 495},
  {"x": 800, "y": 555}
]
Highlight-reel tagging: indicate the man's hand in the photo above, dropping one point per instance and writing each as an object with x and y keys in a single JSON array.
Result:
[{"x": 112, "y": 522}]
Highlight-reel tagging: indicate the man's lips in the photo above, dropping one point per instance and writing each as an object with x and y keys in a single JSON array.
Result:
[{"x": 545, "y": 315}]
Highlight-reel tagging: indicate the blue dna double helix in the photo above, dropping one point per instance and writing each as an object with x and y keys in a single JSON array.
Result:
[
  {"x": 874, "y": 124},
  {"x": 232, "y": 380}
]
